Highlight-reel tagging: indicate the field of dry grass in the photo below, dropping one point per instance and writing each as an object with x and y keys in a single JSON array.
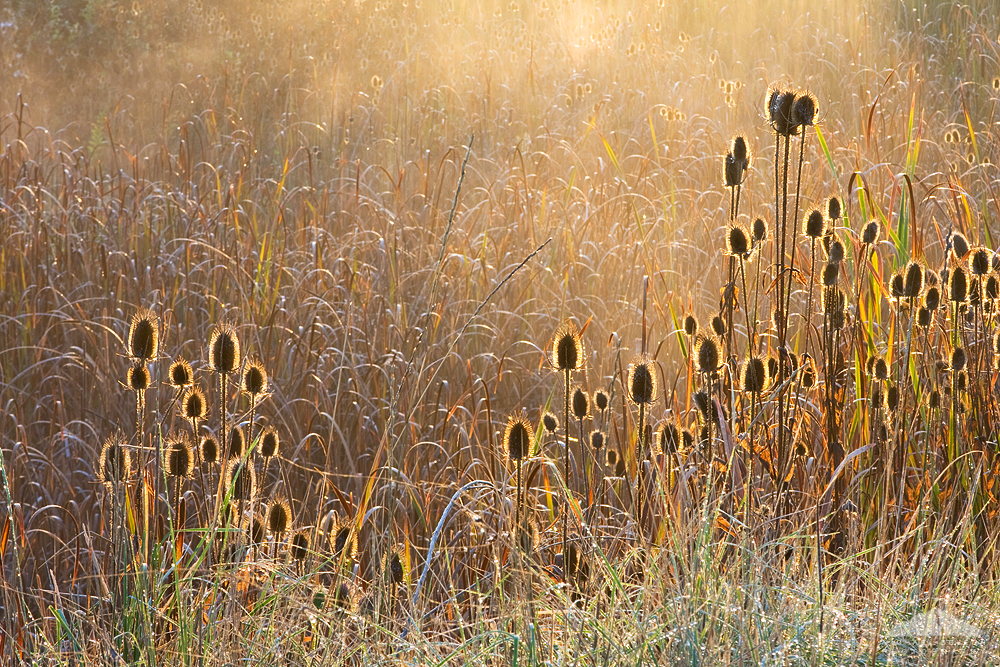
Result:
[{"x": 396, "y": 205}]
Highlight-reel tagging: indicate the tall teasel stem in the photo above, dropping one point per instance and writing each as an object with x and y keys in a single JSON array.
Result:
[
  {"x": 641, "y": 391},
  {"x": 566, "y": 354},
  {"x": 224, "y": 359}
]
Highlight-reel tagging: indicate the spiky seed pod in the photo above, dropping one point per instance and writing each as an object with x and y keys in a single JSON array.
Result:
[
  {"x": 923, "y": 317},
  {"x": 597, "y": 440},
  {"x": 208, "y": 450},
  {"x": 772, "y": 367},
  {"x": 115, "y": 463},
  {"x": 138, "y": 377},
  {"x": 299, "y": 546},
  {"x": 753, "y": 379},
  {"x": 831, "y": 274},
  {"x": 932, "y": 298},
  {"x": 780, "y": 103},
  {"x": 143, "y": 335},
  {"x": 870, "y": 234},
  {"x": 269, "y": 442},
  {"x": 958, "y": 286},
  {"x": 566, "y": 350},
  {"x": 804, "y": 109},
  {"x": 279, "y": 516},
  {"x": 837, "y": 313},
  {"x": 958, "y": 359},
  {"x": 934, "y": 399},
  {"x": 255, "y": 533},
  {"x": 690, "y": 325},
  {"x": 877, "y": 397},
  {"x": 961, "y": 381},
  {"x": 759, "y": 231},
  {"x": 550, "y": 422},
  {"x": 892, "y": 398},
  {"x": 737, "y": 241},
  {"x": 178, "y": 458},
  {"x": 181, "y": 374},
  {"x": 224, "y": 349},
  {"x": 344, "y": 540},
  {"x": 395, "y": 566},
  {"x": 571, "y": 559},
  {"x": 897, "y": 285},
  {"x": 740, "y": 151},
  {"x": 344, "y": 596},
  {"x": 991, "y": 288},
  {"x": 979, "y": 261},
  {"x": 706, "y": 350},
  {"x": 719, "y": 326},
  {"x": 611, "y": 458},
  {"x": 601, "y": 400},
  {"x": 833, "y": 208},
  {"x": 241, "y": 478},
  {"x": 835, "y": 253},
  {"x": 641, "y": 381},
  {"x": 732, "y": 171},
  {"x": 703, "y": 402},
  {"x": 193, "y": 405},
  {"x": 913, "y": 280},
  {"x": 870, "y": 365},
  {"x": 814, "y": 225},
  {"x": 975, "y": 294},
  {"x": 880, "y": 369},
  {"x": 808, "y": 373},
  {"x": 527, "y": 536},
  {"x": 668, "y": 438},
  {"x": 518, "y": 438},
  {"x": 580, "y": 403},
  {"x": 254, "y": 380},
  {"x": 958, "y": 244},
  {"x": 236, "y": 443}
]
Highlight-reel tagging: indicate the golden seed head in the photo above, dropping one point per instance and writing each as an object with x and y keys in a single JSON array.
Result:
[
  {"x": 193, "y": 405},
  {"x": 269, "y": 442},
  {"x": 597, "y": 440},
  {"x": 518, "y": 438},
  {"x": 808, "y": 372},
  {"x": 897, "y": 286},
  {"x": 991, "y": 288},
  {"x": 242, "y": 480},
  {"x": 804, "y": 109},
  {"x": 979, "y": 261},
  {"x": 224, "y": 349},
  {"x": 753, "y": 379},
  {"x": 831, "y": 274},
  {"x": 958, "y": 359},
  {"x": 740, "y": 152},
  {"x": 732, "y": 172},
  {"x": 641, "y": 381},
  {"x": 344, "y": 540},
  {"x": 254, "y": 379},
  {"x": 209, "y": 449},
  {"x": 779, "y": 110},
  {"x": 932, "y": 298},
  {"x": 279, "y": 516},
  {"x": 143, "y": 335},
  {"x": 580, "y": 403},
  {"x": 668, "y": 438},
  {"x": 299, "y": 545},
  {"x": 737, "y": 241},
  {"x": 923, "y": 317},
  {"x": 814, "y": 226},
  {"x": 138, "y": 377},
  {"x": 178, "y": 458},
  {"x": 706, "y": 349},
  {"x": 958, "y": 244},
  {"x": 115, "y": 463},
  {"x": 880, "y": 369},
  {"x": 833, "y": 208},
  {"x": 550, "y": 422},
  {"x": 566, "y": 349},
  {"x": 181, "y": 374},
  {"x": 958, "y": 285},
  {"x": 396, "y": 565},
  {"x": 611, "y": 457},
  {"x": 690, "y": 325},
  {"x": 759, "y": 231},
  {"x": 871, "y": 232},
  {"x": 236, "y": 443},
  {"x": 527, "y": 535},
  {"x": 719, "y": 326},
  {"x": 601, "y": 400},
  {"x": 255, "y": 532},
  {"x": 913, "y": 280}
]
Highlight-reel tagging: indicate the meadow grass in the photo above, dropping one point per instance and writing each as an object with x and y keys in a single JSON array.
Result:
[{"x": 396, "y": 210}]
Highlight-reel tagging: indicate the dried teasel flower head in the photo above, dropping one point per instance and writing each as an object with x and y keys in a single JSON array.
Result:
[
  {"x": 641, "y": 384},
  {"x": 115, "y": 463},
  {"x": 550, "y": 423},
  {"x": 566, "y": 349},
  {"x": 178, "y": 456},
  {"x": 194, "y": 407},
  {"x": 279, "y": 516},
  {"x": 181, "y": 374},
  {"x": 518, "y": 439},
  {"x": 601, "y": 400},
  {"x": 269, "y": 442},
  {"x": 224, "y": 349},
  {"x": 254, "y": 379},
  {"x": 143, "y": 335},
  {"x": 580, "y": 403},
  {"x": 138, "y": 377}
]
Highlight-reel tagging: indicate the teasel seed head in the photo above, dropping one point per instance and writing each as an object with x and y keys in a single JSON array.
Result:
[
  {"x": 240, "y": 477},
  {"x": 527, "y": 535},
  {"x": 668, "y": 438},
  {"x": 299, "y": 546},
  {"x": 979, "y": 261},
  {"x": 236, "y": 443},
  {"x": 208, "y": 450},
  {"x": 224, "y": 349},
  {"x": 344, "y": 540},
  {"x": 833, "y": 208},
  {"x": 601, "y": 400},
  {"x": 897, "y": 285},
  {"x": 913, "y": 280},
  {"x": 732, "y": 171},
  {"x": 571, "y": 558},
  {"x": 880, "y": 369},
  {"x": 753, "y": 379},
  {"x": 395, "y": 565},
  {"x": 597, "y": 440},
  {"x": 831, "y": 274},
  {"x": 958, "y": 359},
  {"x": 344, "y": 596},
  {"x": 719, "y": 326},
  {"x": 814, "y": 226},
  {"x": 641, "y": 381},
  {"x": 780, "y": 104},
  {"x": 255, "y": 532},
  {"x": 961, "y": 381},
  {"x": 870, "y": 234},
  {"x": 611, "y": 458},
  {"x": 958, "y": 245},
  {"x": 138, "y": 377},
  {"x": 932, "y": 298},
  {"x": 759, "y": 231},
  {"x": 269, "y": 442},
  {"x": 808, "y": 372},
  {"x": 737, "y": 241},
  {"x": 923, "y": 317},
  {"x": 143, "y": 335},
  {"x": 706, "y": 349},
  {"x": 892, "y": 398},
  {"x": 835, "y": 254},
  {"x": 690, "y": 325},
  {"x": 550, "y": 422},
  {"x": 958, "y": 286},
  {"x": 740, "y": 151},
  {"x": 518, "y": 438},
  {"x": 566, "y": 348},
  {"x": 178, "y": 458},
  {"x": 181, "y": 374},
  {"x": 991, "y": 288},
  {"x": 115, "y": 463},
  {"x": 279, "y": 516},
  {"x": 254, "y": 379},
  {"x": 580, "y": 403},
  {"x": 804, "y": 109},
  {"x": 193, "y": 405}
]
